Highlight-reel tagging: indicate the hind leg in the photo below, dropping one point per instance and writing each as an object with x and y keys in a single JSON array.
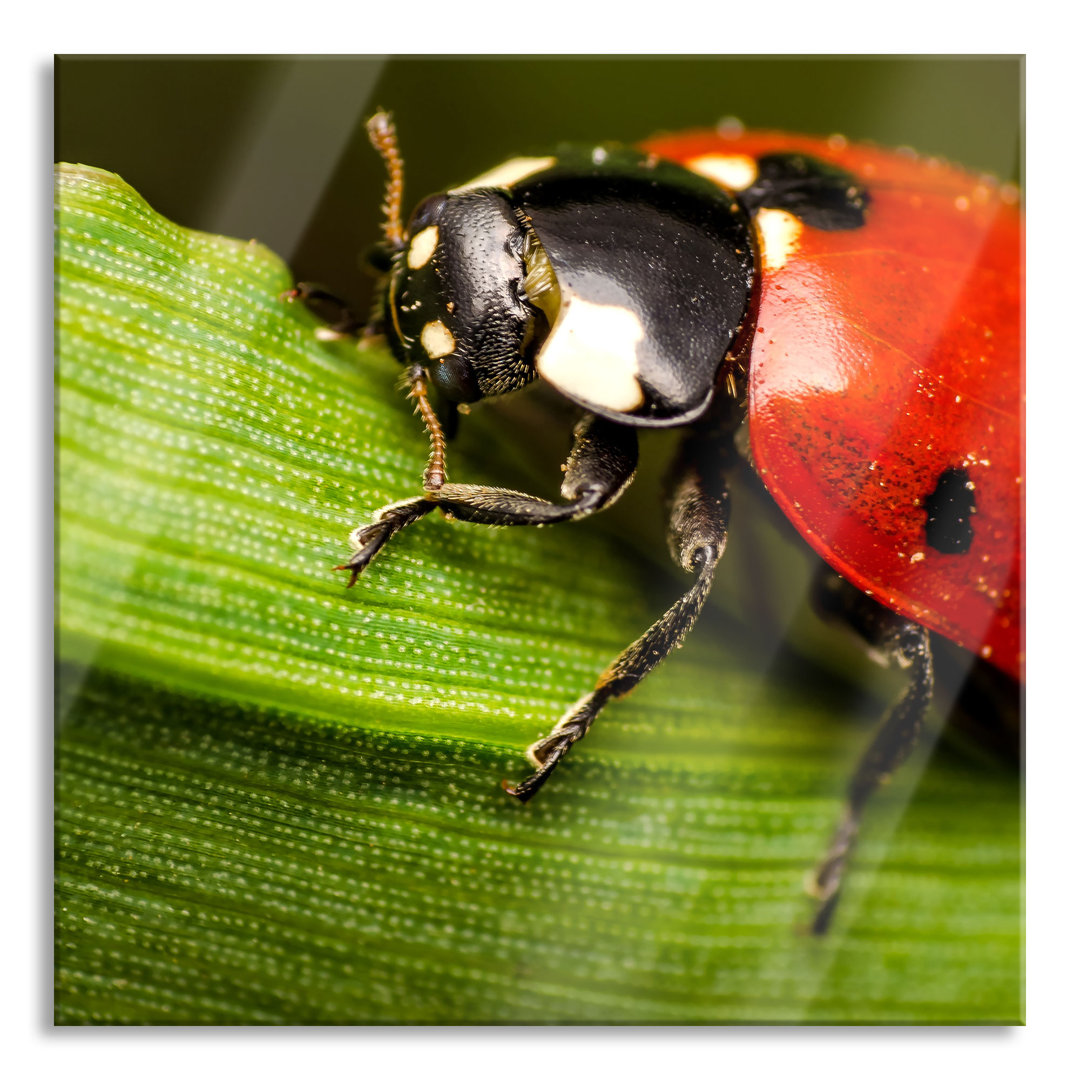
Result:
[{"x": 906, "y": 644}]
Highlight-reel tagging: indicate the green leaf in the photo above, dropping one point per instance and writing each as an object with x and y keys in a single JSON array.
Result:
[{"x": 278, "y": 799}]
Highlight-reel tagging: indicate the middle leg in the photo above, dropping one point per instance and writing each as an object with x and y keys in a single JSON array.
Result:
[{"x": 697, "y": 534}]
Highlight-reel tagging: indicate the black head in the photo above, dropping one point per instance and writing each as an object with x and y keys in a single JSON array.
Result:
[{"x": 462, "y": 298}]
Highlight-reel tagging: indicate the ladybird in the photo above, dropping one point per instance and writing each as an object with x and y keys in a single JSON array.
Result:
[{"x": 842, "y": 320}]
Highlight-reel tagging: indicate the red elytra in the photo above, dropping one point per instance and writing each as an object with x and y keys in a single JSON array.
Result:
[{"x": 883, "y": 356}]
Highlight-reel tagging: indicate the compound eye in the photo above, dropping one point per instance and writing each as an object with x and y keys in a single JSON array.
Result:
[
  {"x": 455, "y": 378},
  {"x": 426, "y": 213}
]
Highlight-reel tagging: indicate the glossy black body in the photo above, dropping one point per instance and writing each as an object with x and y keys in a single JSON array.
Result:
[
  {"x": 647, "y": 235},
  {"x": 620, "y": 229}
]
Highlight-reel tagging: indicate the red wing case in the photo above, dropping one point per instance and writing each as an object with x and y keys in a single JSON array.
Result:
[{"x": 886, "y": 382}]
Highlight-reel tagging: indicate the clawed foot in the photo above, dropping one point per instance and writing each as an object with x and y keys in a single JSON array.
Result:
[
  {"x": 343, "y": 323},
  {"x": 297, "y": 292},
  {"x": 368, "y": 540},
  {"x": 823, "y": 884},
  {"x": 548, "y": 752}
]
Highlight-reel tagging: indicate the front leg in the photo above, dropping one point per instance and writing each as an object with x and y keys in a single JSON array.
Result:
[
  {"x": 600, "y": 467},
  {"x": 328, "y": 306}
]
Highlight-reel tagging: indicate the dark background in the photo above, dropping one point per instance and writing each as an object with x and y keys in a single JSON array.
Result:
[{"x": 274, "y": 148}]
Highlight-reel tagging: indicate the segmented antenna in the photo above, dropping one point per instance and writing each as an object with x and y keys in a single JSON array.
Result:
[
  {"x": 383, "y": 136},
  {"x": 435, "y": 473}
]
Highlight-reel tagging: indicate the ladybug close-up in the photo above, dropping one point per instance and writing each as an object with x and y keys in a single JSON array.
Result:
[{"x": 841, "y": 322}]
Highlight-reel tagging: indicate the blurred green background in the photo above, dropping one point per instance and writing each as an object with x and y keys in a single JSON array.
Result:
[{"x": 274, "y": 148}]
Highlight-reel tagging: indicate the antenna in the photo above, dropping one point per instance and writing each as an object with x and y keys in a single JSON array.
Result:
[{"x": 383, "y": 136}]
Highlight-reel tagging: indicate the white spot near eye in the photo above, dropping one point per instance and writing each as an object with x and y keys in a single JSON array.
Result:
[
  {"x": 780, "y": 232},
  {"x": 437, "y": 340},
  {"x": 591, "y": 355},
  {"x": 506, "y": 174},
  {"x": 735, "y": 171},
  {"x": 422, "y": 247}
]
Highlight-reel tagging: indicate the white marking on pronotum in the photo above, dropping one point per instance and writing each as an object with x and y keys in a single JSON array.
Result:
[
  {"x": 506, "y": 174},
  {"x": 735, "y": 171},
  {"x": 780, "y": 232},
  {"x": 422, "y": 247},
  {"x": 437, "y": 340},
  {"x": 591, "y": 355}
]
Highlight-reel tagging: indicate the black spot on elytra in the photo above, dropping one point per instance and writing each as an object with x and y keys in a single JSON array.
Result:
[
  {"x": 818, "y": 193},
  {"x": 949, "y": 508}
]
